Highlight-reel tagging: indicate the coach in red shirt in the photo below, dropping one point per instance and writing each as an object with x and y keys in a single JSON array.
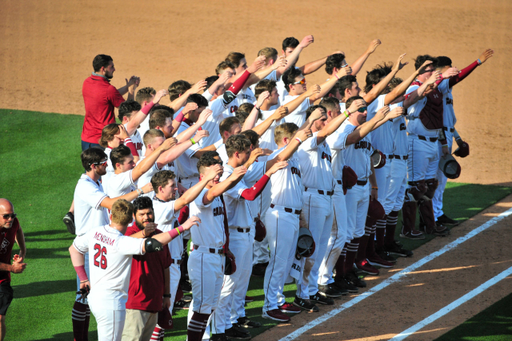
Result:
[
  {"x": 100, "y": 99},
  {"x": 149, "y": 288}
]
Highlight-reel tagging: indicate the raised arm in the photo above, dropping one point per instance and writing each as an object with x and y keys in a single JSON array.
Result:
[
  {"x": 264, "y": 72},
  {"x": 396, "y": 112},
  {"x": 417, "y": 94},
  {"x": 364, "y": 129},
  {"x": 300, "y": 136},
  {"x": 358, "y": 64},
  {"x": 192, "y": 193},
  {"x": 402, "y": 87},
  {"x": 107, "y": 202},
  {"x": 251, "y": 120},
  {"x": 150, "y": 160},
  {"x": 312, "y": 91},
  {"x": 190, "y": 131},
  {"x": 377, "y": 89},
  {"x": 294, "y": 56},
  {"x": 139, "y": 117},
  {"x": 332, "y": 126},
  {"x": 221, "y": 187},
  {"x": 180, "y": 101},
  {"x": 327, "y": 86},
  {"x": 280, "y": 113},
  {"x": 175, "y": 152},
  {"x": 468, "y": 69}
]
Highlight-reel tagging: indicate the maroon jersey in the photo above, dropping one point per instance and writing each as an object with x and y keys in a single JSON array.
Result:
[
  {"x": 432, "y": 113},
  {"x": 7, "y": 240}
]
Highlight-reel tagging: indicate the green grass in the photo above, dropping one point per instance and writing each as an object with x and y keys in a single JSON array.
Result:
[{"x": 40, "y": 158}]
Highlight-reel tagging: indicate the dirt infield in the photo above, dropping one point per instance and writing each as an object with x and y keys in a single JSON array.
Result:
[{"x": 47, "y": 52}]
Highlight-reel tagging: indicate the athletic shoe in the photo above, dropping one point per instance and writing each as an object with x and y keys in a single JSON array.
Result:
[
  {"x": 330, "y": 291},
  {"x": 276, "y": 315},
  {"x": 365, "y": 267},
  {"x": 396, "y": 249},
  {"x": 219, "y": 337},
  {"x": 321, "y": 299},
  {"x": 414, "y": 234},
  {"x": 355, "y": 280},
  {"x": 445, "y": 220},
  {"x": 375, "y": 260},
  {"x": 245, "y": 322},
  {"x": 249, "y": 299},
  {"x": 237, "y": 333},
  {"x": 344, "y": 285},
  {"x": 385, "y": 255},
  {"x": 289, "y": 308},
  {"x": 441, "y": 231},
  {"x": 181, "y": 304},
  {"x": 69, "y": 220},
  {"x": 258, "y": 270},
  {"x": 185, "y": 286},
  {"x": 306, "y": 305}
]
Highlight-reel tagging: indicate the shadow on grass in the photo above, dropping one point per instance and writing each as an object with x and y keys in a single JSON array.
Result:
[
  {"x": 48, "y": 253},
  {"x": 69, "y": 336},
  {"x": 44, "y": 288}
]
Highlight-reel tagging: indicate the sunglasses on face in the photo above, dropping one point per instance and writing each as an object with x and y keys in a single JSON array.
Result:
[
  {"x": 7, "y": 216},
  {"x": 102, "y": 163},
  {"x": 302, "y": 81},
  {"x": 363, "y": 109}
]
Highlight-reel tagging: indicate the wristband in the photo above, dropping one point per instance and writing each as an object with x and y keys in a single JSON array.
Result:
[
  {"x": 167, "y": 295},
  {"x": 257, "y": 108},
  {"x": 139, "y": 192},
  {"x": 479, "y": 61},
  {"x": 177, "y": 229},
  {"x": 84, "y": 281},
  {"x": 180, "y": 117},
  {"x": 193, "y": 141},
  {"x": 444, "y": 145},
  {"x": 80, "y": 271},
  {"x": 300, "y": 141},
  {"x": 147, "y": 108},
  {"x": 335, "y": 75},
  {"x": 375, "y": 187},
  {"x": 347, "y": 113}
]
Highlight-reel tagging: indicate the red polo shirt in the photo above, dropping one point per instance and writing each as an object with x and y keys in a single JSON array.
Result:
[
  {"x": 7, "y": 240},
  {"x": 100, "y": 98}
]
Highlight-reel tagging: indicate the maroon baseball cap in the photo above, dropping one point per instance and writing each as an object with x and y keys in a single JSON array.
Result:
[
  {"x": 349, "y": 178},
  {"x": 261, "y": 231},
  {"x": 165, "y": 319}
]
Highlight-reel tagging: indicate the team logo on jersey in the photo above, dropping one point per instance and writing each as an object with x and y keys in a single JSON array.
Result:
[
  {"x": 138, "y": 145},
  {"x": 402, "y": 126},
  {"x": 295, "y": 171},
  {"x": 449, "y": 101},
  {"x": 326, "y": 156},
  {"x": 4, "y": 246},
  {"x": 218, "y": 211},
  {"x": 233, "y": 109},
  {"x": 363, "y": 145}
]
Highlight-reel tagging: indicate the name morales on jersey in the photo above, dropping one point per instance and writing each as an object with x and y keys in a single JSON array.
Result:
[
  {"x": 295, "y": 171},
  {"x": 449, "y": 101},
  {"x": 218, "y": 211},
  {"x": 326, "y": 156},
  {"x": 363, "y": 145},
  {"x": 104, "y": 239}
]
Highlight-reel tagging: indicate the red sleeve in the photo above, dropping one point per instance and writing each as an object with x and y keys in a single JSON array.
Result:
[
  {"x": 128, "y": 143},
  {"x": 115, "y": 97},
  {"x": 147, "y": 107},
  {"x": 253, "y": 192},
  {"x": 226, "y": 228},
  {"x": 463, "y": 73},
  {"x": 132, "y": 229},
  {"x": 237, "y": 85}
]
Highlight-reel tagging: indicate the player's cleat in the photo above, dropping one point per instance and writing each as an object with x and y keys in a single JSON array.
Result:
[
  {"x": 396, "y": 249},
  {"x": 249, "y": 299},
  {"x": 181, "y": 304},
  {"x": 354, "y": 279},
  {"x": 69, "y": 220},
  {"x": 245, "y": 322},
  {"x": 237, "y": 333},
  {"x": 258, "y": 270},
  {"x": 219, "y": 337},
  {"x": 344, "y": 285},
  {"x": 289, "y": 308},
  {"x": 440, "y": 230},
  {"x": 306, "y": 305},
  {"x": 414, "y": 234},
  {"x": 365, "y": 267},
  {"x": 330, "y": 291},
  {"x": 445, "y": 220},
  {"x": 276, "y": 315},
  {"x": 375, "y": 260},
  {"x": 385, "y": 255},
  {"x": 185, "y": 286},
  {"x": 321, "y": 299}
]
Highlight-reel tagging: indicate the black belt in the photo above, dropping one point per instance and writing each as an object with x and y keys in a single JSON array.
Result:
[
  {"x": 398, "y": 157},
  {"x": 361, "y": 182},
  {"x": 330, "y": 193},
  {"x": 451, "y": 130},
  {"x": 289, "y": 210},
  {"x": 339, "y": 182},
  {"x": 212, "y": 250},
  {"x": 243, "y": 230},
  {"x": 431, "y": 139},
  {"x": 176, "y": 261}
]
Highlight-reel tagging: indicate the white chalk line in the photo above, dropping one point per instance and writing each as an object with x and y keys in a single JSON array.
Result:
[
  {"x": 453, "y": 305},
  {"x": 396, "y": 277}
]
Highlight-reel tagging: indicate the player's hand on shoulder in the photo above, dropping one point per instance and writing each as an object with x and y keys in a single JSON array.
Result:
[
  {"x": 239, "y": 171},
  {"x": 204, "y": 116},
  {"x": 192, "y": 221},
  {"x": 200, "y": 134},
  {"x": 277, "y": 166}
]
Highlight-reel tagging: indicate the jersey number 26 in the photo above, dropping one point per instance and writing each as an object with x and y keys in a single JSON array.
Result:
[{"x": 100, "y": 256}]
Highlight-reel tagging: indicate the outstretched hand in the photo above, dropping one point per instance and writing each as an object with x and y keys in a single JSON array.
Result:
[
  {"x": 399, "y": 65},
  {"x": 257, "y": 64},
  {"x": 486, "y": 55},
  {"x": 373, "y": 46}
]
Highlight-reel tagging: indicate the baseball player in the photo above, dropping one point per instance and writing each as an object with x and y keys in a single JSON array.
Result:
[{"x": 111, "y": 258}]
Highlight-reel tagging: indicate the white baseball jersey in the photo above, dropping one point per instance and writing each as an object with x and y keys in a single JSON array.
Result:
[
  {"x": 246, "y": 95},
  {"x": 286, "y": 189},
  {"x": 356, "y": 156},
  {"x": 382, "y": 137},
  {"x": 110, "y": 168},
  {"x": 222, "y": 153},
  {"x": 336, "y": 145},
  {"x": 218, "y": 109},
  {"x": 262, "y": 202},
  {"x": 88, "y": 210},
  {"x": 271, "y": 76},
  {"x": 400, "y": 142},
  {"x": 415, "y": 126},
  {"x": 267, "y": 139},
  {"x": 143, "y": 127},
  {"x": 136, "y": 138},
  {"x": 298, "y": 116},
  {"x": 237, "y": 208},
  {"x": 146, "y": 177},
  {"x": 110, "y": 260},
  {"x": 120, "y": 184},
  {"x": 315, "y": 164},
  {"x": 167, "y": 219},
  {"x": 449, "y": 118},
  {"x": 210, "y": 232},
  {"x": 186, "y": 164}
]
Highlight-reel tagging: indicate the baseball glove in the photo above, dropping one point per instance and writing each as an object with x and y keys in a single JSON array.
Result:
[
  {"x": 463, "y": 149},
  {"x": 84, "y": 292}
]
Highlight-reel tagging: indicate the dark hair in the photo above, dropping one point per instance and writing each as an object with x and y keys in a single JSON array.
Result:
[
  {"x": 352, "y": 99},
  {"x": 198, "y": 99},
  {"x": 329, "y": 103},
  {"x": 395, "y": 82},
  {"x": 251, "y": 135},
  {"x": 127, "y": 107},
  {"x": 290, "y": 42},
  {"x": 345, "y": 83},
  {"x": 107, "y": 134},
  {"x": 312, "y": 108},
  {"x": 374, "y": 76},
  {"x": 334, "y": 61},
  {"x": 332, "y": 92},
  {"x": 210, "y": 80},
  {"x": 289, "y": 77},
  {"x": 145, "y": 94},
  {"x": 227, "y": 123},
  {"x": 178, "y": 88},
  {"x": 243, "y": 112},
  {"x": 118, "y": 154},
  {"x": 142, "y": 203},
  {"x": 92, "y": 155},
  {"x": 101, "y": 60},
  {"x": 223, "y": 66},
  {"x": 264, "y": 85},
  {"x": 206, "y": 160},
  {"x": 161, "y": 107},
  {"x": 443, "y": 61},
  {"x": 235, "y": 58},
  {"x": 158, "y": 118},
  {"x": 237, "y": 143},
  {"x": 161, "y": 179},
  {"x": 422, "y": 58}
]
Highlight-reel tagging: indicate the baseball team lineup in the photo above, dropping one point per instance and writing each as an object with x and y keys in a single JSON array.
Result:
[{"x": 253, "y": 171}]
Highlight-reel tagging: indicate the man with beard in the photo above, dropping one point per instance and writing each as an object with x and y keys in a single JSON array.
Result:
[
  {"x": 149, "y": 277},
  {"x": 100, "y": 98}
]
